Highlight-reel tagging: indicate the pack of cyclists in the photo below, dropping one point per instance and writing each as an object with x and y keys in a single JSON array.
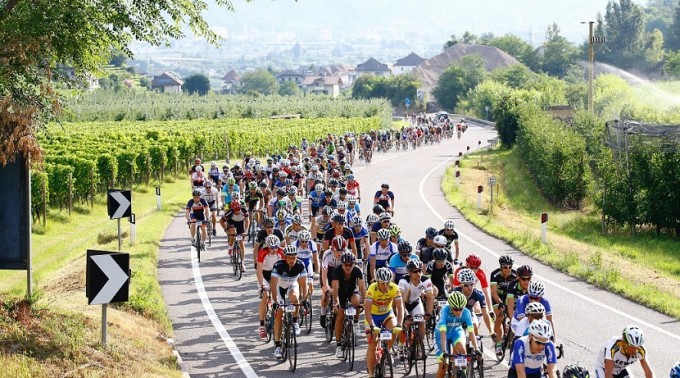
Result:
[{"x": 305, "y": 208}]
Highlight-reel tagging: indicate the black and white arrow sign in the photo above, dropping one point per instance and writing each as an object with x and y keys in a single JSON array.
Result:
[
  {"x": 108, "y": 275},
  {"x": 119, "y": 203}
]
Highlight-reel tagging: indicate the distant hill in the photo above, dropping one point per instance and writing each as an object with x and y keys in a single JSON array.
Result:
[{"x": 429, "y": 70}]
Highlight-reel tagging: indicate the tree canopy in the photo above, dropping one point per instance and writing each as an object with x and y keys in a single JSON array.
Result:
[
  {"x": 259, "y": 81},
  {"x": 41, "y": 36},
  {"x": 197, "y": 83}
]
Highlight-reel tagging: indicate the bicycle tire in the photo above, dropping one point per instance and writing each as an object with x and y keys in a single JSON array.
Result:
[
  {"x": 286, "y": 339},
  {"x": 349, "y": 328},
  {"x": 386, "y": 363},
  {"x": 419, "y": 349},
  {"x": 330, "y": 327},
  {"x": 210, "y": 229},
  {"x": 292, "y": 352},
  {"x": 480, "y": 368},
  {"x": 236, "y": 253},
  {"x": 198, "y": 243},
  {"x": 408, "y": 363},
  {"x": 309, "y": 314},
  {"x": 269, "y": 323}
]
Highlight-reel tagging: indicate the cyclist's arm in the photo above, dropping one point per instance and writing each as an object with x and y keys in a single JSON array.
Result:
[
  {"x": 510, "y": 302},
  {"x": 362, "y": 287},
  {"x": 430, "y": 301},
  {"x": 550, "y": 368},
  {"x": 647, "y": 369},
  {"x": 274, "y": 284},
  {"x": 519, "y": 367},
  {"x": 336, "y": 295},
  {"x": 246, "y": 223},
  {"x": 472, "y": 338},
  {"x": 223, "y": 223},
  {"x": 487, "y": 319},
  {"x": 494, "y": 293},
  {"x": 457, "y": 249},
  {"x": 368, "y": 302},
  {"x": 324, "y": 278},
  {"x": 353, "y": 246},
  {"x": 186, "y": 214},
  {"x": 302, "y": 283},
  {"x": 399, "y": 305},
  {"x": 260, "y": 275}
]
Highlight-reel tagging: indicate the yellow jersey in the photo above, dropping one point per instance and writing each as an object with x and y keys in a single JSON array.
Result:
[{"x": 382, "y": 302}]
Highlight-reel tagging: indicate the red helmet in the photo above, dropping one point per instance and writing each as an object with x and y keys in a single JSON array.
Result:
[
  {"x": 336, "y": 173},
  {"x": 235, "y": 206},
  {"x": 249, "y": 175},
  {"x": 473, "y": 261},
  {"x": 339, "y": 243}
]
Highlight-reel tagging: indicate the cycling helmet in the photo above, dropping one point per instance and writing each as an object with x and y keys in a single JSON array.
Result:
[
  {"x": 404, "y": 247},
  {"x": 439, "y": 241},
  {"x": 466, "y": 276},
  {"x": 578, "y": 371},
  {"x": 351, "y": 199},
  {"x": 262, "y": 184},
  {"x": 288, "y": 182},
  {"x": 304, "y": 236},
  {"x": 372, "y": 218},
  {"x": 430, "y": 233},
  {"x": 378, "y": 209},
  {"x": 327, "y": 192},
  {"x": 196, "y": 193},
  {"x": 448, "y": 225},
  {"x": 318, "y": 187},
  {"x": 633, "y": 336},
  {"x": 237, "y": 165},
  {"x": 505, "y": 260},
  {"x": 231, "y": 181},
  {"x": 525, "y": 271},
  {"x": 208, "y": 184},
  {"x": 439, "y": 254},
  {"x": 327, "y": 210},
  {"x": 268, "y": 221},
  {"x": 473, "y": 261},
  {"x": 225, "y": 167},
  {"x": 297, "y": 219},
  {"x": 457, "y": 300},
  {"x": 347, "y": 258},
  {"x": 356, "y": 221},
  {"x": 199, "y": 169},
  {"x": 292, "y": 191},
  {"x": 197, "y": 161},
  {"x": 338, "y": 218},
  {"x": 273, "y": 241},
  {"x": 383, "y": 275},
  {"x": 315, "y": 167},
  {"x": 350, "y": 177},
  {"x": 339, "y": 243},
  {"x": 290, "y": 250},
  {"x": 414, "y": 264},
  {"x": 332, "y": 182},
  {"x": 235, "y": 207},
  {"x": 534, "y": 308},
  {"x": 342, "y": 205},
  {"x": 383, "y": 234},
  {"x": 281, "y": 214},
  {"x": 536, "y": 289},
  {"x": 395, "y": 231},
  {"x": 252, "y": 185},
  {"x": 675, "y": 371},
  {"x": 283, "y": 175},
  {"x": 541, "y": 329},
  {"x": 385, "y": 216},
  {"x": 280, "y": 192}
]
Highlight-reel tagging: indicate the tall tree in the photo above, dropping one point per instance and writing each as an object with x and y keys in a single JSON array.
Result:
[
  {"x": 259, "y": 81},
  {"x": 197, "y": 83},
  {"x": 625, "y": 28},
  {"x": 558, "y": 53},
  {"x": 673, "y": 35},
  {"x": 518, "y": 48},
  {"x": 40, "y": 35},
  {"x": 452, "y": 41},
  {"x": 458, "y": 79}
]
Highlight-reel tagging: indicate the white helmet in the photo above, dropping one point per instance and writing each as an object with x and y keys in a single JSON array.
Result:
[
  {"x": 633, "y": 336},
  {"x": 534, "y": 308},
  {"x": 383, "y": 275},
  {"x": 273, "y": 241},
  {"x": 439, "y": 240},
  {"x": 541, "y": 329},
  {"x": 536, "y": 289},
  {"x": 448, "y": 225},
  {"x": 466, "y": 276}
]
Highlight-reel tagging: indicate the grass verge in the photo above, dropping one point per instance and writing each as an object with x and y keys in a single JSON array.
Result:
[
  {"x": 643, "y": 268},
  {"x": 56, "y": 333}
]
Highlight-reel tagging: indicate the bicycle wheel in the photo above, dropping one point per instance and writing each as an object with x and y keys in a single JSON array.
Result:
[
  {"x": 292, "y": 346},
  {"x": 269, "y": 324},
  {"x": 406, "y": 354},
  {"x": 238, "y": 272},
  {"x": 210, "y": 229},
  {"x": 386, "y": 363},
  {"x": 429, "y": 336},
  {"x": 198, "y": 243},
  {"x": 349, "y": 330},
  {"x": 330, "y": 327},
  {"x": 309, "y": 312},
  {"x": 480, "y": 368},
  {"x": 419, "y": 356}
]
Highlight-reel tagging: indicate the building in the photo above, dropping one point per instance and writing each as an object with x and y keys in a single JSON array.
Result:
[
  {"x": 229, "y": 82},
  {"x": 372, "y": 67},
  {"x": 322, "y": 85},
  {"x": 167, "y": 82},
  {"x": 406, "y": 64},
  {"x": 290, "y": 76}
]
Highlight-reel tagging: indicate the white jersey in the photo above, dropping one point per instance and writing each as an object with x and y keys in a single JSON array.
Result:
[
  {"x": 224, "y": 177},
  {"x": 210, "y": 194},
  {"x": 292, "y": 234},
  {"x": 307, "y": 251},
  {"x": 613, "y": 350},
  {"x": 414, "y": 292},
  {"x": 382, "y": 254},
  {"x": 329, "y": 260}
]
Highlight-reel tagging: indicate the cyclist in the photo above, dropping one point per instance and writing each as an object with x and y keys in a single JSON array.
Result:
[
  {"x": 439, "y": 241},
  {"x": 381, "y": 297},
  {"x": 467, "y": 280},
  {"x": 192, "y": 170},
  {"x": 425, "y": 246},
  {"x": 293, "y": 231},
  {"x": 385, "y": 198},
  {"x": 384, "y": 223},
  {"x": 348, "y": 288},
  {"x": 395, "y": 234},
  {"x": 518, "y": 288},
  {"x": 397, "y": 263},
  {"x": 263, "y": 233},
  {"x": 339, "y": 229},
  {"x": 440, "y": 272},
  {"x": 288, "y": 278},
  {"x": 578, "y": 371},
  {"x": 214, "y": 172},
  {"x": 500, "y": 281},
  {"x": 278, "y": 202},
  {"x": 211, "y": 195},
  {"x": 329, "y": 261},
  {"x": 413, "y": 286},
  {"x": 534, "y": 294},
  {"x": 533, "y": 311},
  {"x": 198, "y": 178},
  {"x": 254, "y": 198},
  {"x": 453, "y": 316},
  {"x": 228, "y": 191},
  {"x": 353, "y": 186},
  {"x": 619, "y": 352},
  {"x": 451, "y": 238},
  {"x": 226, "y": 173},
  {"x": 197, "y": 210},
  {"x": 235, "y": 222},
  {"x": 530, "y": 352},
  {"x": 270, "y": 253},
  {"x": 294, "y": 202},
  {"x": 309, "y": 255},
  {"x": 473, "y": 262},
  {"x": 380, "y": 252},
  {"x": 361, "y": 240}
]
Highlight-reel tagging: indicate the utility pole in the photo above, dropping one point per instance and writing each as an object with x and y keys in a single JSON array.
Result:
[{"x": 591, "y": 61}]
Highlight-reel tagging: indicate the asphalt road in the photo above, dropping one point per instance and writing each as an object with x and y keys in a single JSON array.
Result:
[{"x": 215, "y": 317}]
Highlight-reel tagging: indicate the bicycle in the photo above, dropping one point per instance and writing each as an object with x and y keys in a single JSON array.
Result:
[
  {"x": 507, "y": 334},
  {"x": 461, "y": 365},
  {"x": 289, "y": 339},
  {"x": 383, "y": 366},
  {"x": 252, "y": 228},
  {"x": 430, "y": 328},
  {"x": 306, "y": 313},
  {"x": 269, "y": 317},
  {"x": 209, "y": 226},
  {"x": 330, "y": 318},
  {"x": 198, "y": 242},
  {"x": 236, "y": 257},
  {"x": 414, "y": 346},
  {"x": 348, "y": 341}
]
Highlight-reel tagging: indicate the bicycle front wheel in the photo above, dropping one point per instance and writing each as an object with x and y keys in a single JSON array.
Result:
[
  {"x": 198, "y": 243},
  {"x": 292, "y": 352},
  {"x": 419, "y": 356},
  {"x": 386, "y": 363}
]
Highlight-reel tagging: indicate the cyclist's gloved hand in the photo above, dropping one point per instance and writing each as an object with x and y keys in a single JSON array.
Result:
[
  {"x": 397, "y": 330},
  {"x": 455, "y": 261}
]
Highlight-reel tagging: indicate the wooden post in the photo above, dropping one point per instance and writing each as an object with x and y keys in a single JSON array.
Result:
[
  {"x": 44, "y": 201},
  {"x": 91, "y": 189},
  {"x": 70, "y": 192}
]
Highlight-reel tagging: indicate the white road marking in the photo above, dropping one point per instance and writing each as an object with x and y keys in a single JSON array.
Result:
[
  {"x": 545, "y": 280},
  {"x": 210, "y": 311}
]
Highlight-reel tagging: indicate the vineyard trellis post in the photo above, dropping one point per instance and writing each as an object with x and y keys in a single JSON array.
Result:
[
  {"x": 44, "y": 201},
  {"x": 70, "y": 192},
  {"x": 92, "y": 188}
]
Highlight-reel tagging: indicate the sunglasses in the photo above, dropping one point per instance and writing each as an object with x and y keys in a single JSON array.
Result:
[
  {"x": 541, "y": 343},
  {"x": 269, "y": 227},
  {"x": 385, "y": 221},
  {"x": 416, "y": 271},
  {"x": 525, "y": 278},
  {"x": 467, "y": 285},
  {"x": 456, "y": 309},
  {"x": 506, "y": 266}
]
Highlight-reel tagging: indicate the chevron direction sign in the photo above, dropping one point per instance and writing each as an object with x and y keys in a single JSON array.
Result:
[
  {"x": 107, "y": 277},
  {"x": 119, "y": 203}
]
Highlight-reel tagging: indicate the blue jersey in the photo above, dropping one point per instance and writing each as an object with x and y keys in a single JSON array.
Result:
[
  {"x": 227, "y": 191},
  {"x": 398, "y": 266},
  {"x": 476, "y": 296},
  {"x": 316, "y": 198},
  {"x": 533, "y": 363},
  {"x": 453, "y": 325},
  {"x": 363, "y": 232},
  {"x": 522, "y": 302}
]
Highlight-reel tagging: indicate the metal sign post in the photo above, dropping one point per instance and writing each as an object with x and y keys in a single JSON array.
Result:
[
  {"x": 159, "y": 205},
  {"x": 492, "y": 182}
]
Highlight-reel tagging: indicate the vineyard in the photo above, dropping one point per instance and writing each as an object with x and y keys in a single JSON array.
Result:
[
  {"x": 83, "y": 159},
  {"x": 144, "y": 105}
]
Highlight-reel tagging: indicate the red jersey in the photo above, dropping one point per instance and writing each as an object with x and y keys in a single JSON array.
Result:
[{"x": 481, "y": 277}]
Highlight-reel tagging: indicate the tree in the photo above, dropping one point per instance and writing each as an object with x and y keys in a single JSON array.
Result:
[
  {"x": 289, "y": 88},
  {"x": 118, "y": 58},
  {"x": 469, "y": 38},
  {"x": 653, "y": 53},
  {"x": 558, "y": 53},
  {"x": 673, "y": 35},
  {"x": 260, "y": 81},
  {"x": 671, "y": 65},
  {"x": 515, "y": 76},
  {"x": 452, "y": 41},
  {"x": 625, "y": 27},
  {"x": 197, "y": 83},
  {"x": 458, "y": 79},
  {"x": 39, "y": 36}
]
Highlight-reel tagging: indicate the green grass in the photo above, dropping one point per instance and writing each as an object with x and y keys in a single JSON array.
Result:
[{"x": 643, "y": 268}]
